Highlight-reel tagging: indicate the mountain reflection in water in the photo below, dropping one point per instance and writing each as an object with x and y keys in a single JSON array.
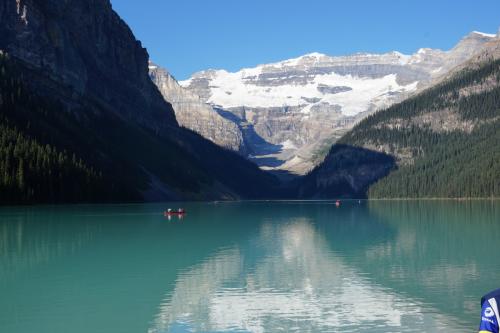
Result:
[
  {"x": 382, "y": 266},
  {"x": 318, "y": 275}
]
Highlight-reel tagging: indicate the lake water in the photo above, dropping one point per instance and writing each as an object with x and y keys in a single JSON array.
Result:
[{"x": 380, "y": 266}]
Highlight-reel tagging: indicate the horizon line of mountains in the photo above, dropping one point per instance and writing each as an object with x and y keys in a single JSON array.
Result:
[{"x": 85, "y": 116}]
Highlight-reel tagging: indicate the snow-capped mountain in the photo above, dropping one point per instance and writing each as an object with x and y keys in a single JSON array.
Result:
[{"x": 291, "y": 111}]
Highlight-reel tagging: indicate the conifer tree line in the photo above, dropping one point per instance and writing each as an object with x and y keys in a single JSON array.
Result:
[
  {"x": 49, "y": 154},
  {"x": 456, "y": 163},
  {"x": 86, "y": 152},
  {"x": 31, "y": 171}
]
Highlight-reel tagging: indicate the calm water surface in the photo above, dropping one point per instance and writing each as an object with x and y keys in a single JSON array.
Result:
[{"x": 248, "y": 267}]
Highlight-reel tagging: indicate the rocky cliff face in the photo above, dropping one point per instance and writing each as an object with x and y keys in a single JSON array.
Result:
[
  {"x": 191, "y": 112},
  {"x": 290, "y": 112},
  {"x": 85, "y": 47},
  {"x": 96, "y": 102}
]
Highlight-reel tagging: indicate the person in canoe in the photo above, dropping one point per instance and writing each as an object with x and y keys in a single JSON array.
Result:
[{"x": 178, "y": 212}]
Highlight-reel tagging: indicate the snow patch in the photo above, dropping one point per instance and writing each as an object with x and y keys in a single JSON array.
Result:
[
  {"x": 185, "y": 83},
  {"x": 288, "y": 144},
  {"x": 316, "y": 55},
  {"x": 484, "y": 34},
  {"x": 245, "y": 93},
  {"x": 437, "y": 70}
]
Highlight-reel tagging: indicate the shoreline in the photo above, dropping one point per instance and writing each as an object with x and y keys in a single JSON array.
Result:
[{"x": 33, "y": 205}]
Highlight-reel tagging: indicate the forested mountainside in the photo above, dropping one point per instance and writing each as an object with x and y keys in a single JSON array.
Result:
[
  {"x": 81, "y": 120},
  {"x": 51, "y": 155},
  {"x": 443, "y": 142}
]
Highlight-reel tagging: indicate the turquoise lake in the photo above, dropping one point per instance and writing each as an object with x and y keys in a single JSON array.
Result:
[{"x": 377, "y": 266}]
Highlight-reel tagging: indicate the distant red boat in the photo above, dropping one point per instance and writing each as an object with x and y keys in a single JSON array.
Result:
[{"x": 169, "y": 212}]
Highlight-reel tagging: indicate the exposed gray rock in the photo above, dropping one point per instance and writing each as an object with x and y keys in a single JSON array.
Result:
[
  {"x": 311, "y": 99},
  {"x": 191, "y": 112},
  {"x": 326, "y": 89},
  {"x": 294, "y": 107}
]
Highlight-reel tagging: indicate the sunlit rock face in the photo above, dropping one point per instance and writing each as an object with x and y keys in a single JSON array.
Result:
[
  {"x": 290, "y": 112},
  {"x": 191, "y": 112}
]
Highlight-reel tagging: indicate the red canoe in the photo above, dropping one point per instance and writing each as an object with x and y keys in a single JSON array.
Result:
[{"x": 177, "y": 212}]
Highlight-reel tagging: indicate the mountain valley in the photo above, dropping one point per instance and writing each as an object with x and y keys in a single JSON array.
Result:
[
  {"x": 86, "y": 116},
  {"x": 291, "y": 112}
]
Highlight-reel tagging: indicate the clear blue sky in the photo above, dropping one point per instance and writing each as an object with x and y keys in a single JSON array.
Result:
[{"x": 186, "y": 36}]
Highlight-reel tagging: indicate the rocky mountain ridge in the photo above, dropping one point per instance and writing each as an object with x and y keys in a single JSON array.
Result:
[
  {"x": 440, "y": 143},
  {"x": 191, "y": 112},
  {"x": 290, "y": 112},
  {"x": 87, "y": 48},
  {"x": 76, "y": 85}
]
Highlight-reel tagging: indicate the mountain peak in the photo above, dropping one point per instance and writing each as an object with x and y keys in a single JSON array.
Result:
[
  {"x": 481, "y": 34},
  {"x": 316, "y": 56},
  {"x": 313, "y": 55},
  {"x": 318, "y": 96}
]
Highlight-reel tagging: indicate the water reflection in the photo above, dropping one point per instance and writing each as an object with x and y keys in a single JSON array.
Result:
[
  {"x": 288, "y": 278},
  {"x": 248, "y": 267},
  {"x": 443, "y": 253},
  {"x": 26, "y": 241}
]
